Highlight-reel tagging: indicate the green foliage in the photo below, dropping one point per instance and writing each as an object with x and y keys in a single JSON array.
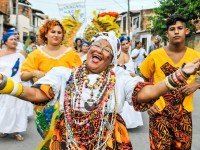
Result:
[
  {"x": 189, "y": 9},
  {"x": 27, "y": 42}
]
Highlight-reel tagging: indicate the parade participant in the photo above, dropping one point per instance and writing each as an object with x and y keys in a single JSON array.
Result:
[
  {"x": 170, "y": 117},
  {"x": 78, "y": 42},
  {"x": 41, "y": 60},
  {"x": 20, "y": 45},
  {"x": 13, "y": 118},
  {"x": 53, "y": 54},
  {"x": 84, "y": 50},
  {"x": 156, "y": 44},
  {"x": 92, "y": 96},
  {"x": 131, "y": 117},
  {"x": 138, "y": 55}
]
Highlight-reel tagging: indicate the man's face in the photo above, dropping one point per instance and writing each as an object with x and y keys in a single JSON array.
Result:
[
  {"x": 17, "y": 34},
  {"x": 176, "y": 33}
]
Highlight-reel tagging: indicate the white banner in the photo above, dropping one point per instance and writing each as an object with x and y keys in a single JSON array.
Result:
[{"x": 68, "y": 9}]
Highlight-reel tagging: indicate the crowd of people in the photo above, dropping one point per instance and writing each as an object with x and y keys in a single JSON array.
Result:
[{"x": 87, "y": 96}]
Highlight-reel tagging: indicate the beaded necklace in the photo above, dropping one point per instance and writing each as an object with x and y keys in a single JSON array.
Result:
[{"x": 93, "y": 128}]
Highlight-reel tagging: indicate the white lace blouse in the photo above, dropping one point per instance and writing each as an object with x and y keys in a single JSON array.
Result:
[{"x": 124, "y": 86}]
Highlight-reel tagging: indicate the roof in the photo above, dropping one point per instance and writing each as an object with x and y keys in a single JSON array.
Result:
[
  {"x": 25, "y": 2},
  {"x": 39, "y": 16},
  {"x": 134, "y": 12},
  {"x": 37, "y": 11},
  {"x": 131, "y": 12}
]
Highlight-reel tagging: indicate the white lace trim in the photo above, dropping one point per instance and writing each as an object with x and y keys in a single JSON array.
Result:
[{"x": 57, "y": 57}]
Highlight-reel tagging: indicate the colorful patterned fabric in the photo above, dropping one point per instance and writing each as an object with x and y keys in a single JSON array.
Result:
[
  {"x": 119, "y": 140},
  {"x": 172, "y": 128},
  {"x": 141, "y": 106}
]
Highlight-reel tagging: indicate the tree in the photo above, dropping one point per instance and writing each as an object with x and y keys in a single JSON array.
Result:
[{"x": 189, "y": 9}]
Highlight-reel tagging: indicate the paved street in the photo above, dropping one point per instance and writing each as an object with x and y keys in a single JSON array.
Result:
[{"x": 139, "y": 136}]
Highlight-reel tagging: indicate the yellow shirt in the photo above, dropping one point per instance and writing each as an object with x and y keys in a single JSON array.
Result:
[
  {"x": 158, "y": 63},
  {"x": 39, "y": 60}
]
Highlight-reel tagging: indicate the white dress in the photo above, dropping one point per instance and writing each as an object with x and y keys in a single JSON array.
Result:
[
  {"x": 141, "y": 54},
  {"x": 13, "y": 111},
  {"x": 131, "y": 117},
  {"x": 124, "y": 87},
  {"x": 83, "y": 58}
]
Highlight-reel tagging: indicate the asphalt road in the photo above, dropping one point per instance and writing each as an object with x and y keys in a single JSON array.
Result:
[{"x": 139, "y": 136}]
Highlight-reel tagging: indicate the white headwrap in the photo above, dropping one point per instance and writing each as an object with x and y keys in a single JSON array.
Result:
[{"x": 114, "y": 42}]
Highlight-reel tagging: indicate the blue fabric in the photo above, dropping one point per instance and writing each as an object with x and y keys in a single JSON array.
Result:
[
  {"x": 77, "y": 39},
  {"x": 14, "y": 29},
  {"x": 85, "y": 42},
  {"x": 15, "y": 68},
  {"x": 123, "y": 38},
  {"x": 7, "y": 35}
]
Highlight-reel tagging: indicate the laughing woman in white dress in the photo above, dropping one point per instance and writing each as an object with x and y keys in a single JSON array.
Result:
[
  {"x": 13, "y": 118},
  {"x": 131, "y": 117}
]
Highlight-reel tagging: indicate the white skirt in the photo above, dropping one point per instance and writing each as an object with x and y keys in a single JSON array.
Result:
[
  {"x": 13, "y": 116},
  {"x": 131, "y": 117}
]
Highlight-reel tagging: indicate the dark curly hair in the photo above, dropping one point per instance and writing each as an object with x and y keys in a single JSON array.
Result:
[
  {"x": 48, "y": 25},
  {"x": 173, "y": 19}
]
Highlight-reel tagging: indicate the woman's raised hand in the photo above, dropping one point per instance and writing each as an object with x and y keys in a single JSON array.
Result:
[{"x": 192, "y": 67}]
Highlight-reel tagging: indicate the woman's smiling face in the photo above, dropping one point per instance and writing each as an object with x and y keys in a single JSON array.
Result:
[{"x": 99, "y": 56}]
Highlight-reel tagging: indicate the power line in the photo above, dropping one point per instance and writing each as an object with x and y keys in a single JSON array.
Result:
[{"x": 119, "y": 5}]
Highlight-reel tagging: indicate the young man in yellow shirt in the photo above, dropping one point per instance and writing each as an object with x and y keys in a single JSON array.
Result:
[{"x": 170, "y": 116}]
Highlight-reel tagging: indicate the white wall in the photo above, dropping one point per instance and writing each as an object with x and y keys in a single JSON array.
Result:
[{"x": 23, "y": 24}]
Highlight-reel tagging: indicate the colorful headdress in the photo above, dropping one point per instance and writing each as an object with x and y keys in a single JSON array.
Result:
[
  {"x": 7, "y": 35},
  {"x": 124, "y": 38},
  {"x": 114, "y": 42},
  {"x": 85, "y": 43},
  {"x": 71, "y": 24},
  {"x": 13, "y": 29},
  {"x": 103, "y": 22}
]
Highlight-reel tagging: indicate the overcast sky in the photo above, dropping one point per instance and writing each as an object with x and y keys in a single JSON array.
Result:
[{"x": 50, "y": 7}]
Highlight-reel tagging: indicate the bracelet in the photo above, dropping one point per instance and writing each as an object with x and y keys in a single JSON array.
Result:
[
  {"x": 179, "y": 76},
  {"x": 11, "y": 87},
  {"x": 171, "y": 81},
  {"x": 3, "y": 83},
  {"x": 169, "y": 86},
  {"x": 184, "y": 74},
  {"x": 175, "y": 79}
]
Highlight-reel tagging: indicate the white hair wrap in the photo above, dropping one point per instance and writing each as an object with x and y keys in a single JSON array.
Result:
[{"x": 114, "y": 42}]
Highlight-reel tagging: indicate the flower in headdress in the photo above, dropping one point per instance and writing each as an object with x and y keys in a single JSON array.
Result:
[
  {"x": 71, "y": 25},
  {"x": 103, "y": 22}
]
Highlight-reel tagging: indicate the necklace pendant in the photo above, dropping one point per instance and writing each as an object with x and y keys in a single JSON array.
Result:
[
  {"x": 90, "y": 100},
  {"x": 107, "y": 125},
  {"x": 89, "y": 107}
]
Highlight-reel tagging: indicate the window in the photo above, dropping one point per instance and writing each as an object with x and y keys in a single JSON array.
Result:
[{"x": 124, "y": 24}]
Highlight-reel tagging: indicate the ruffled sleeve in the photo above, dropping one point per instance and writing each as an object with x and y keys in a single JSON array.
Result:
[
  {"x": 56, "y": 79},
  {"x": 31, "y": 62},
  {"x": 141, "y": 106}
]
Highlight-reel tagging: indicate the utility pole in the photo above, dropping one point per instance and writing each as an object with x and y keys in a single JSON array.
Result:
[
  {"x": 16, "y": 12},
  {"x": 128, "y": 16}
]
